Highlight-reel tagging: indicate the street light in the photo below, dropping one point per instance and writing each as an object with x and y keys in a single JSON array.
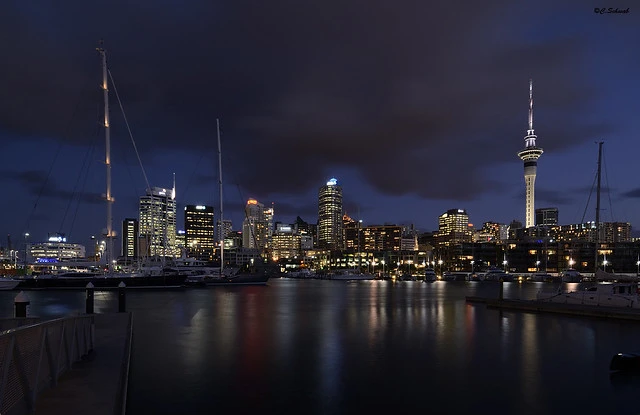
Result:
[
  {"x": 571, "y": 262},
  {"x": 537, "y": 266},
  {"x": 26, "y": 237},
  {"x": 440, "y": 265},
  {"x": 638, "y": 265},
  {"x": 472, "y": 262},
  {"x": 504, "y": 264}
]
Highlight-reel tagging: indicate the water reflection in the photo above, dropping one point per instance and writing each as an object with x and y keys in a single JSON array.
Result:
[{"x": 317, "y": 347}]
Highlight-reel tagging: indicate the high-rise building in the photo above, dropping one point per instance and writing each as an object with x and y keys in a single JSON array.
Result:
[
  {"x": 199, "y": 238},
  {"x": 158, "y": 221},
  {"x": 223, "y": 229},
  {"x": 547, "y": 217},
  {"x": 330, "y": 216},
  {"x": 130, "y": 239},
  {"x": 255, "y": 228},
  {"x": 453, "y": 227},
  {"x": 530, "y": 156}
]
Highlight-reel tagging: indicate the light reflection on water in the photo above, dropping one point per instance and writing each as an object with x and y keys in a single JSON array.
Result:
[{"x": 330, "y": 347}]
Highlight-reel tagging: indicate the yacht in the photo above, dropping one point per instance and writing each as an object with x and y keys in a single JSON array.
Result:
[
  {"x": 349, "y": 275},
  {"x": 571, "y": 275},
  {"x": 619, "y": 294},
  {"x": 430, "y": 275},
  {"x": 7, "y": 284},
  {"x": 496, "y": 274}
]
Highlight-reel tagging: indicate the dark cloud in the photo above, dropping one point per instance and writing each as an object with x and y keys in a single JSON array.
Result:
[
  {"x": 416, "y": 98},
  {"x": 631, "y": 194},
  {"x": 40, "y": 184}
]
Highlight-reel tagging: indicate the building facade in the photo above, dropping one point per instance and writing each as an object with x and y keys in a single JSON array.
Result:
[
  {"x": 547, "y": 216},
  {"x": 130, "y": 232},
  {"x": 330, "y": 216},
  {"x": 199, "y": 238},
  {"x": 158, "y": 221}
]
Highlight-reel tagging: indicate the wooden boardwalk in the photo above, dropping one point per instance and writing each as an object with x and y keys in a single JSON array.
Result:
[{"x": 96, "y": 385}]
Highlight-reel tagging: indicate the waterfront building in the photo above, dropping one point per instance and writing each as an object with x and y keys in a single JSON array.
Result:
[
  {"x": 530, "y": 156},
  {"x": 158, "y": 221},
  {"x": 130, "y": 230},
  {"x": 285, "y": 242},
  {"x": 610, "y": 232},
  {"x": 453, "y": 227},
  {"x": 55, "y": 249},
  {"x": 382, "y": 238},
  {"x": 352, "y": 234},
  {"x": 547, "y": 216},
  {"x": 330, "y": 216},
  {"x": 255, "y": 227},
  {"x": 199, "y": 238}
]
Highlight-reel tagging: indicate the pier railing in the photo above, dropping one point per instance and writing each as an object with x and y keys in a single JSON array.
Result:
[
  {"x": 33, "y": 357},
  {"x": 15, "y": 322}
]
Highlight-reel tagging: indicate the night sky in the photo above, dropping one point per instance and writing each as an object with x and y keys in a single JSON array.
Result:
[{"x": 414, "y": 107}]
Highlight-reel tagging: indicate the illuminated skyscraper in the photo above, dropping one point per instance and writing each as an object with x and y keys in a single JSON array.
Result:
[
  {"x": 453, "y": 227},
  {"x": 199, "y": 231},
  {"x": 530, "y": 156},
  {"x": 255, "y": 227},
  {"x": 158, "y": 221},
  {"x": 330, "y": 216},
  {"x": 130, "y": 239}
]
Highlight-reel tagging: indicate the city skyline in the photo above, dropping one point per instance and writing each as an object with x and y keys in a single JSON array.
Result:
[{"x": 411, "y": 127}]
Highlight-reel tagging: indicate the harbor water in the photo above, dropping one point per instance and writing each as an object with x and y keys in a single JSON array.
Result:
[{"x": 333, "y": 347}]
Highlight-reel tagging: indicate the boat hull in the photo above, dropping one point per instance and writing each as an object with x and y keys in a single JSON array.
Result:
[
  {"x": 236, "y": 280},
  {"x": 625, "y": 362},
  {"x": 102, "y": 282},
  {"x": 8, "y": 284}
]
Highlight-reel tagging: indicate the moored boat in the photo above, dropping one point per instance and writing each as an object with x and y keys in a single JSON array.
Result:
[
  {"x": 7, "y": 284},
  {"x": 430, "y": 275},
  {"x": 620, "y": 294}
]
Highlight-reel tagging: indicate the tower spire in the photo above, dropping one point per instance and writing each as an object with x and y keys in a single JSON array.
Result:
[
  {"x": 530, "y": 155},
  {"x": 530, "y": 106}
]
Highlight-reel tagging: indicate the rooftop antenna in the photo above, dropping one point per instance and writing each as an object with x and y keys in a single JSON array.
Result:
[{"x": 530, "y": 107}]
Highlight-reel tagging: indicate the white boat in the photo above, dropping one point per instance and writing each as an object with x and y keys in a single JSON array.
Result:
[
  {"x": 619, "y": 294},
  {"x": 496, "y": 274},
  {"x": 348, "y": 275},
  {"x": 571, "y": 275},
  {"x": 7, "y": 284},
  {"x": 430, "y": 275}
]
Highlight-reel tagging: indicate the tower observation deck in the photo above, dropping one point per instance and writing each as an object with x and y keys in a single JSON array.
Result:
[{"x": 530, "y": 155}]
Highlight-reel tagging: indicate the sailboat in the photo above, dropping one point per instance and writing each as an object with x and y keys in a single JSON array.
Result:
[
  {"x": 250, "y": 274},
  {"x": 78, "y": 279}
]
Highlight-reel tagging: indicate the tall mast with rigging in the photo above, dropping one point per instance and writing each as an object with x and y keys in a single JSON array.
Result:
[
  {"x": 221, "y": 227},
  {"x": 597, "y": 236},
  {"x": 107, "y": 161}
]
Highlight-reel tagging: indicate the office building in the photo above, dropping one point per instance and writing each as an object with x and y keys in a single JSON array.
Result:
[
  {"x": 330, "y": 216},
  {"x": 199, "y": 238}
]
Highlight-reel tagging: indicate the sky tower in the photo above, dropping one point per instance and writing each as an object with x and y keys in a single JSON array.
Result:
[{"x": 530, "y": 156}]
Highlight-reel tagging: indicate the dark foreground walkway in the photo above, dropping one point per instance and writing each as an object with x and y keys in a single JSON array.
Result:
[{"x": 98, "y": 384}]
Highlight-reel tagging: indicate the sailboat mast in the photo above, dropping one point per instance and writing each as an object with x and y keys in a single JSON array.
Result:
[
  {"x": 107, "y": 161},
  {"x": 597, "y": 238},
  {"x": 221, "y": 228}
]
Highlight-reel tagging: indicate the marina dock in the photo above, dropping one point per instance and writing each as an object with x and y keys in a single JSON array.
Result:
[
  {"x": 97, "y": 384},
  {"x": 534, "y": 306}
]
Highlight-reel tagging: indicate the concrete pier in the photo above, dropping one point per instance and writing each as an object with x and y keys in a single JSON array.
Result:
[
  {"x": 620, "y": 313},
  {"x": 97, "y": 384}
]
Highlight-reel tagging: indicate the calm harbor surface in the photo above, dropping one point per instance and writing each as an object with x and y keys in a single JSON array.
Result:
[{"x": 325, "y": 347}]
